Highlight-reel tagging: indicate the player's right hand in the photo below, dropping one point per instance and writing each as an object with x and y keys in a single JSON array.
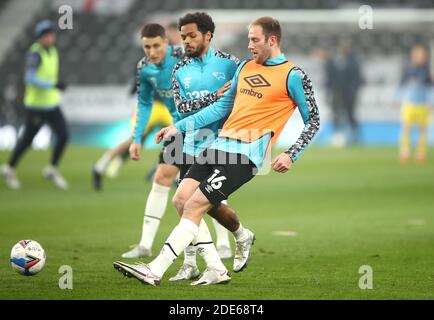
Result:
[
  {"x": 135, "y": 149},
  {"x": 165, "y": 133},
  {"x": 222, "y": 90}
]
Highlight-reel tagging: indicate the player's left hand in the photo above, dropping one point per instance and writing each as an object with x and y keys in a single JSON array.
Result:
[
  {"x": 222, "y": 90},
  {"x": 165, "y": 133},
  {"x": 281, "y": 163}
]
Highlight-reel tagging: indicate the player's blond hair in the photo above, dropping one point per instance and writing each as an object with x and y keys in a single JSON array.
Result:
[{"x": 270, "y": 27}]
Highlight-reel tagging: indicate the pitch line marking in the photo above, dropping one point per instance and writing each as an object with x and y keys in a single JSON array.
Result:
[{"x": 286, "y": 233}]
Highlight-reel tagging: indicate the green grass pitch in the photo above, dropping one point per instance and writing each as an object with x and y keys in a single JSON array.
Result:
[{"x": 348, "y": 208}]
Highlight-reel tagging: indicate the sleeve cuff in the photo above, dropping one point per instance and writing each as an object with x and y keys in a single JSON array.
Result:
[
  {"x": 180, "y": 126},
  {"x": 293, "y": 157}
]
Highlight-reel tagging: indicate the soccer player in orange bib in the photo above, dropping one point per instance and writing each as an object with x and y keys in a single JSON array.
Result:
[{"x": 265, "y": 92}]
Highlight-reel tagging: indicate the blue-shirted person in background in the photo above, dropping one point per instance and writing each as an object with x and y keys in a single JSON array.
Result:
[
  {"x": 415, "y": 92},
  {"x": 42, "y": 103}
]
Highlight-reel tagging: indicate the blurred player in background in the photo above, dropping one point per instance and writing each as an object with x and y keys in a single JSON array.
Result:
[
  {"x": 153, "y": 75},
  {"x": 173, "y": 35},
  {"x": 42, "y": 103},
  {"x": 111, "y": 161},
  {"x": 415, "y": 93},
  {"x": 344, "y": 81}
]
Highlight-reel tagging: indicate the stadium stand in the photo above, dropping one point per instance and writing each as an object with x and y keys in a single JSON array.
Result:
[{"x": 103, "y": 48}]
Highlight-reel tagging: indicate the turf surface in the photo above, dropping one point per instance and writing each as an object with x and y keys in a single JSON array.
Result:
[{"x": 347, "y": 208}]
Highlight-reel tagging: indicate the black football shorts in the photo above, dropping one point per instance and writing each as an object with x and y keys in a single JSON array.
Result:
[{"x": 221, "y": 173}]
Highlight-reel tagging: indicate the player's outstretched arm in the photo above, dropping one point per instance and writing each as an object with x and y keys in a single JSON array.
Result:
[
  {"x": 215, "y": 112},
  {"x": 184, "y": 105},
  {"x": 145, "y": 99},
  {"x": 204, "y": 117},
  {"x": 301, "y": 92}
]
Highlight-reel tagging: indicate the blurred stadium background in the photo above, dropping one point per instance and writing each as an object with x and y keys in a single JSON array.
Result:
[
  {"x": 349, "y": 206},
  {"x": 99, "y": 54}
]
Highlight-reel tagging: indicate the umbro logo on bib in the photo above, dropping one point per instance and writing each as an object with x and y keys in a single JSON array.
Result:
[{"x": 257, "y": 81}]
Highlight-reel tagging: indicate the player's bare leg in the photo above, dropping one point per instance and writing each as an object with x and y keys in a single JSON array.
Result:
[
  {"x": 404, "y": 152},
  {"x": 189, "y": 269},
  {"x": 225, "y": 215},
  {"x": 244, "y": 238},
  {"x": 194, "y": 210},
  {"x": 190, "y": 227},
  {"x": 101, "y": 165},
  {"x": 421, "y": 145}
]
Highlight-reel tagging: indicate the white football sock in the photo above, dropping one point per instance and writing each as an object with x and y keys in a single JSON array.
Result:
[
  {"x": 102, "y": 163},
  {"x": 240, "y": 234},
  {"x": 154, "y": 211},
  {"x": 190, "y": 255},
  {"x": 222, "y": 234},
  {"x": 206, "y": 248},
  {"x": 181, "y": 236}
]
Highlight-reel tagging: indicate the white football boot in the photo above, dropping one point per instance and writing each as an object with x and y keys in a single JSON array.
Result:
[
  {"x": 242, "y": 251},
  {"x": 112, "y": 169},
  {"x": 51, "y": 173},
  {"x": 140, "y": 271},
  {"x": 187, "y": 272},
  {"x": 137, "y": 252},
  {"x": 212, "y": 276},
  {"x": 8, "y": 174}
]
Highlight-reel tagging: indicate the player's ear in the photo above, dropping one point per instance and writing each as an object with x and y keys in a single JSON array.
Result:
[
  {"x": 208, "y": 36},
  {"x": 272, "y": 41}
]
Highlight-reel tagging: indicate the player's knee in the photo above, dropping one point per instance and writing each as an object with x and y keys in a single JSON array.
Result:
[
  {"x": 193, "y": 207},
  {"x": 164, "y": 177}
]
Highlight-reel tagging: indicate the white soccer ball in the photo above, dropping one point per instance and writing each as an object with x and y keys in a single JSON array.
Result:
[{"x": 28, "y": 257}]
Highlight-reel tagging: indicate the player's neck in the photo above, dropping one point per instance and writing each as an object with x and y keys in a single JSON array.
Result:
[
  {"x": 164, "y": 57},
  {"x": 275, "y": 52},
  {"x": 204, "y": 52}
]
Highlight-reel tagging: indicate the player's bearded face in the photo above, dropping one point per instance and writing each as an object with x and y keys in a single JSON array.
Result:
[
  {"x": 258, "y": 44},
  {"x": 155, "y": 48},
  {"x": 195, "y": 42}
]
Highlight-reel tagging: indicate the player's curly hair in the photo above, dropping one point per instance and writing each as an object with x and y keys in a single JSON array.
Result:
[{"x": 201, "y": 19}]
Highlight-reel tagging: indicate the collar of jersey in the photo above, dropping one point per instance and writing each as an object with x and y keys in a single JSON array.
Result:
[
  {"x": 206, "y": 57},
  {"x": 275, "y": 60}
]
